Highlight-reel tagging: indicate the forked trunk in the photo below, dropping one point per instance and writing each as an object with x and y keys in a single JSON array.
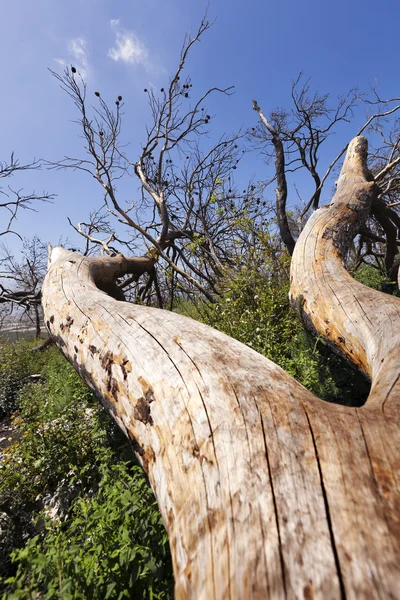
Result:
[{"x": 265, "y": 490}]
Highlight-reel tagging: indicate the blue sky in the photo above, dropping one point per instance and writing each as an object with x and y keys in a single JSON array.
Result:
[{"x": 123, "y": 46}]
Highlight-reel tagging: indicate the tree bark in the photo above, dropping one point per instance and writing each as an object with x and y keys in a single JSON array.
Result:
[
  {"x": 37, "y": 321},
  {"x": 265, "y": 490},
  {"x": 281, "y": 191}
]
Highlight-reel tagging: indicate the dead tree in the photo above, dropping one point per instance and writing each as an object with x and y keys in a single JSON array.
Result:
[
  {"x": 187, "y": 209},
  {"x": 294, "y": 140},
  {"x": 21, "y": 280},
  {"x": 13, "y": 200},
  {"x": 265, "y": 490}
]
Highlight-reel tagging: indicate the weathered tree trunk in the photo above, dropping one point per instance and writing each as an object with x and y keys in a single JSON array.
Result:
[{"x": 265, "y": 490}]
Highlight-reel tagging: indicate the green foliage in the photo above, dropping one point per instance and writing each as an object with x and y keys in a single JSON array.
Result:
[
  {"x": 197, "y": 241},
  {"x": 16, "y": 365},
  {"x": 370, "y": 276},
  {"x": 256, "y": 312},
  {"x": 191, "y": 309},
  {"x": 77, "y": 512},
  {"x": 111, "y": 545},
  {"x": 254, "y": 308}
]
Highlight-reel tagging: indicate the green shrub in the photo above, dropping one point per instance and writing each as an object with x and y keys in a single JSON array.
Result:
[
  {"x": 254, "y": 308},
  {"x": 17, "y": 363},
  {"x": 369, "y": 276},
  {"x": 111, "y": 545},
  {"x": 73, "y": 506}
]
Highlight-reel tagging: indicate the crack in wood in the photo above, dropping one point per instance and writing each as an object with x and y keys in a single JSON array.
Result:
[{"x": 327, "y": 510}]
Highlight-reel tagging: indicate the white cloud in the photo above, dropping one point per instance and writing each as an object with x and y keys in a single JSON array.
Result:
[
  {"x": 77, "y": 49},
  {"x": 127, "y": 48},
  {"x": 77, "y": 52}
]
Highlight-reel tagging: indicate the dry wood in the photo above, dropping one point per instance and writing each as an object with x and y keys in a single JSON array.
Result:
[
  {"x": 265, "y": 490},
  {"x": 362, "y": 323}
]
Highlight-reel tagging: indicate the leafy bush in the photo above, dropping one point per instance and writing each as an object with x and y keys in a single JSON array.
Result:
[
  {"x": 74, "y": 507},
  {"x": 111, "y": 545},
  {"x": 16, "y": 366},
  {"x": 370, "y": 276},
  {"x": 254, "y": 308}
]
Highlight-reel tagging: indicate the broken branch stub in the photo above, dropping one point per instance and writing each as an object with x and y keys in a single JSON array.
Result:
[{"x": 266, "y": 491}]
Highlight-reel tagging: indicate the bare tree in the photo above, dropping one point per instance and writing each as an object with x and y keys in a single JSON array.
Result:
[
  {"x": 21, "y": 280},
  {"x": 294, "y": 138},
  {"x": 12, "y": 200},
  {"x": 188, "y": 207},
  {"x": 381, "y": 239}
]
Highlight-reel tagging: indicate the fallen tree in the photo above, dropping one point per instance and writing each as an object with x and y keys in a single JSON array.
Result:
[{"x": 265, "y": 490}]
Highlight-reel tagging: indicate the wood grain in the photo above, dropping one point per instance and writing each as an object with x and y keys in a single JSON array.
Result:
[{"x": 265, "y": 490}]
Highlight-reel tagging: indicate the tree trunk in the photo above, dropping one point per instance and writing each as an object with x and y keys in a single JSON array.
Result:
[
  {"x": 265, "y": 490},
  {"x": 37, "y": 321}
]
